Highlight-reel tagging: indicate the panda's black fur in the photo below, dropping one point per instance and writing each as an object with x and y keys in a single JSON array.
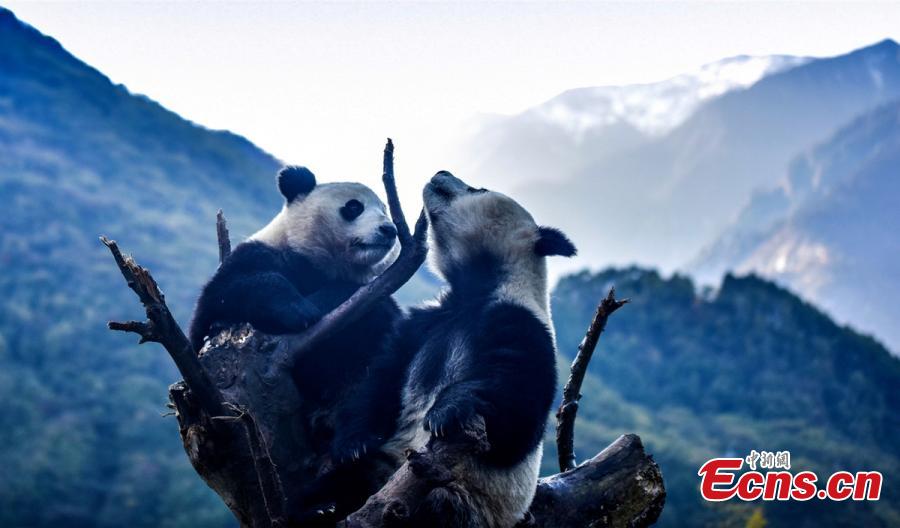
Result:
[
  {"x": 280, "y": 291},
  {"x": 281, "y": 281},
  {"x": 481, "y": 350}
]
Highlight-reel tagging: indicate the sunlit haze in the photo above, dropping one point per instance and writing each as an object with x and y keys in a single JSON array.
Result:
[{"x": 324, "y": 84}]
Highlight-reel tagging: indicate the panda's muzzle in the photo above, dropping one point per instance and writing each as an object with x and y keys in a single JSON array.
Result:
[
  {"x": 384, "y": 238},
  {"x": 444, "y": 187}
]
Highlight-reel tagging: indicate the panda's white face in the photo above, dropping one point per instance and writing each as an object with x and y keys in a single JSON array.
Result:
[
  {"x": 343, "y": 228},
  {"x": 465, "y": 221}
]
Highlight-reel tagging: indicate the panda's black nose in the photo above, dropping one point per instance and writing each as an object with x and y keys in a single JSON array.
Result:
[{"x": 389, "y": 231}]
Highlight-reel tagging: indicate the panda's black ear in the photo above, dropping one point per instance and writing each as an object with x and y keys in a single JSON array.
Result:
[
  {"x": 294, "y": 181},
  {"x": 552, "y": 241}
]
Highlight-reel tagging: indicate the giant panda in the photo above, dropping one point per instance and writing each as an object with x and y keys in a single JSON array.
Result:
[
  {"x": 326, "y": 242},
  {"x": 486, "y": 348}
]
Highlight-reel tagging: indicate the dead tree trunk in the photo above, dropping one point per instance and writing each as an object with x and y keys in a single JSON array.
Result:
[{"x": 253, "y": 440}]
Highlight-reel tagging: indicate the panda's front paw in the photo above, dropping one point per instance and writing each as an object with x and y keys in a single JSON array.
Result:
[
  {"x": 445, "y": 420},
  {"x": 348, "y": 449}
]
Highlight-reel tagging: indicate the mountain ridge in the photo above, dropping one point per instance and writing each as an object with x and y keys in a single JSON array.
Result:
[
  {"x": 608, "y": 119},
  {"x": 20, "y": 30},
  {"x": 824, "y": 230},
  {"x": 697, "y": 177},
  {"x": 710, "y": 80},
  {"x": 81, "y": 156}
]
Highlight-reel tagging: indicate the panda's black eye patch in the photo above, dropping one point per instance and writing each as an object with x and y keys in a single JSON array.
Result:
[{"x": 352, "y": 209}]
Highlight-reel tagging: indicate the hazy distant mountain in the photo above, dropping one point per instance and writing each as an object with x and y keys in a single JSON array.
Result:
[
  {"x": 659, "y": 201},
  {"x": 552, "y": 140},
  {"x": 830, "y": 230},
  {"x": 657, "y": 108}
]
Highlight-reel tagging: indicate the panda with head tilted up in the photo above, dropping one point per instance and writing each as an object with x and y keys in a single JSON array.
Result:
[
  {"x": 486, "y": 348},
  {"x": 326, "y": 242}
]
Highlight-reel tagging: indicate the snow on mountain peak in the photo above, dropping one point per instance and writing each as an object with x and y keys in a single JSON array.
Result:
[{"x": 657, "y": 108}]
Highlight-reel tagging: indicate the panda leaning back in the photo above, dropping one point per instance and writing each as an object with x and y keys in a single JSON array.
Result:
[{"x": 486, "y": 349}]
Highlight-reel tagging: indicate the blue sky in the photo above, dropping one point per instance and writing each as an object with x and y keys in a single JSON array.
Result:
[{"x": 312, "y": 82}]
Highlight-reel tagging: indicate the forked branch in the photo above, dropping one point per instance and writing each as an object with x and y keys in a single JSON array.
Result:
[{"x": 161, "y": 327}]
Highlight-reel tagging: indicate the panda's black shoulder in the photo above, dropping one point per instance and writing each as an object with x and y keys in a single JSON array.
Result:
[
  {"x": 255, "y": 256},
  {"x": 419, "y": 323},
  {"x": 424, "y": 316},
  {"x": 512, "y": 326}
]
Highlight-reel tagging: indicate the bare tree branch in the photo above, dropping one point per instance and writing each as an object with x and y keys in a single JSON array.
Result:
[
  {"x": 257, "y": 506},
  {"x": 393, "y": 199},
  {"x": 162, "y": 328},
  {"x": 412, "y": 254},
  {"x": 565, "y": 416},
  {"x": 222, "y": 236}
]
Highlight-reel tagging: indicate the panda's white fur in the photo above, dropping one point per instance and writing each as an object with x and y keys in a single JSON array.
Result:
[{"x": 488, "y": 221}]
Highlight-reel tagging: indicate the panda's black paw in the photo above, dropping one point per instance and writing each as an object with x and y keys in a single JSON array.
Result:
[
  {"x": 449, "y": 419},
  {"x": 349, "y": 449}
]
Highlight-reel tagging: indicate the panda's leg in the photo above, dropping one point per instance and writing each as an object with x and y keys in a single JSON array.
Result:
[
  {"x": 368, "y": 416},
  {"x": 271, "y": 303},
  {"x": 455, "y": 407},
  {"x": 485, "y": 495}
]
